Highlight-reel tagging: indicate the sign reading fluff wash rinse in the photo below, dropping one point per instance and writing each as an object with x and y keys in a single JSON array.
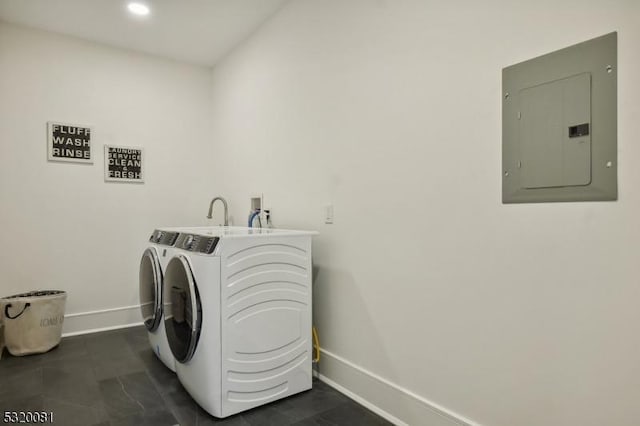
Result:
[
  {"x": 123, "y": 164},
  {"x": 69, "y": 142}
]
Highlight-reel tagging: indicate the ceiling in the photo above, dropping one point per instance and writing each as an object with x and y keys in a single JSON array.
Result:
[{"x": 194, "y": 31}]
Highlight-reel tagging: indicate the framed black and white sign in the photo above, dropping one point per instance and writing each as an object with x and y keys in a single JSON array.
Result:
[
  {"x": 69, "y": 142},
  {"x": 123, "y": 164}
]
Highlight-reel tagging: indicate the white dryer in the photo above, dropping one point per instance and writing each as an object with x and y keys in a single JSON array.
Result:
[
  {"x": 238, "y": 315},
  {"x": 152, "y": 268}
]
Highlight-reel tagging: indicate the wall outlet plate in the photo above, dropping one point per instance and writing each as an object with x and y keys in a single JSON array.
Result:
[{"x": 328, "y": 214}]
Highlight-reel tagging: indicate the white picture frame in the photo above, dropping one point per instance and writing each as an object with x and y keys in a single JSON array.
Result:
[
  {"x": 123, "y": 164},
  {"x": 69, "y": 143}
]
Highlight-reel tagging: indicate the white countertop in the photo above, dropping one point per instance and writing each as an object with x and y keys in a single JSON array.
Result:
[{"x": 237, "y": 231}]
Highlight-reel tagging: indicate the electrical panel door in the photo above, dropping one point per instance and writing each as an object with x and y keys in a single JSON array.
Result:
[
  {"x": 553, "y": 156},
  {"x": 559, "y": 125}
]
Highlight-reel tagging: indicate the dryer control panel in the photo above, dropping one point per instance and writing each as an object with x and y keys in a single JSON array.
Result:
[
  {"x": 164, "y": 238},
  {"x": 197, "y": 243}
]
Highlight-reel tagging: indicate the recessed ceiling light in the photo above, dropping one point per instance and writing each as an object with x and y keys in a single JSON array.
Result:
[{"x": 138, "y": 9}]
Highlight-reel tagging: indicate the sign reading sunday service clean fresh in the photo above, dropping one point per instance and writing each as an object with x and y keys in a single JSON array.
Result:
[{"x": 68, "y": 142}]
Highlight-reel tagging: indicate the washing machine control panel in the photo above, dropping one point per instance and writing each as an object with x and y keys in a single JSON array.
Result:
[
  {"x": 164, "y": 238},
  {"x": 197, "y": 243}
]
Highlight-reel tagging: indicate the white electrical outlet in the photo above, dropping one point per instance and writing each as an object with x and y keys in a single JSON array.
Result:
[{"x": 328, "y": 214}]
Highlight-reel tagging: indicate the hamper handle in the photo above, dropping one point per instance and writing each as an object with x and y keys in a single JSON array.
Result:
[{"x": 6, "y": 310}]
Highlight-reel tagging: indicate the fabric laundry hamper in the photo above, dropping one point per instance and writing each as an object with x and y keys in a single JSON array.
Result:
[{"x": 33, "y": 321}]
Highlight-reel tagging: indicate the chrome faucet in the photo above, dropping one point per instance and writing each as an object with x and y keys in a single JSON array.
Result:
[{"x": 226, "y": 210}]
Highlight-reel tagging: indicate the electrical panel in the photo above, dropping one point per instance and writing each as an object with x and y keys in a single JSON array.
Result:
[{"x": 559, "y": 125}]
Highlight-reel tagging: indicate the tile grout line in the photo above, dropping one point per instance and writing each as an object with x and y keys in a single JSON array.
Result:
[{"x": 129, "y": 396}]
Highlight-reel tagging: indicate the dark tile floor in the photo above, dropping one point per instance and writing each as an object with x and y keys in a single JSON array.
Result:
[{"x": 113, "y": 378}]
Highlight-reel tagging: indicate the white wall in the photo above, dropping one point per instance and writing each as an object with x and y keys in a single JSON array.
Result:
[
  {"x": 62, "y": 226},
  {"x": 428, "y": 289}
]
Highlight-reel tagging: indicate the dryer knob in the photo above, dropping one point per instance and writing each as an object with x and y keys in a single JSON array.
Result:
[{"x": 188, "y": 242}]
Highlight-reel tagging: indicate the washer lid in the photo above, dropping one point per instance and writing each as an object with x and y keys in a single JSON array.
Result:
[
  {"x": 151, "y": 289},
  {"x": 182, "y": 309}
]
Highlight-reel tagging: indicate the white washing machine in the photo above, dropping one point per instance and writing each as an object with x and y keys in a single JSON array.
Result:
[
  {"x": 238, "y": 315},
  {"x": 152, "y": 269}
]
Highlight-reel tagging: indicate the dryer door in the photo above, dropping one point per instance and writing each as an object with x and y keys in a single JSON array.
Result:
[
  {"x": 151, "y": 289},
  {"x": 182, "y": 309}
]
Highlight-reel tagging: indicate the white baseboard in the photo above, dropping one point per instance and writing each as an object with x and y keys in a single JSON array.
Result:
[
  {"x": 396, "y": 404},
  {"x": 379, "y": 411},
  {"x": 101, "y": 320}
]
